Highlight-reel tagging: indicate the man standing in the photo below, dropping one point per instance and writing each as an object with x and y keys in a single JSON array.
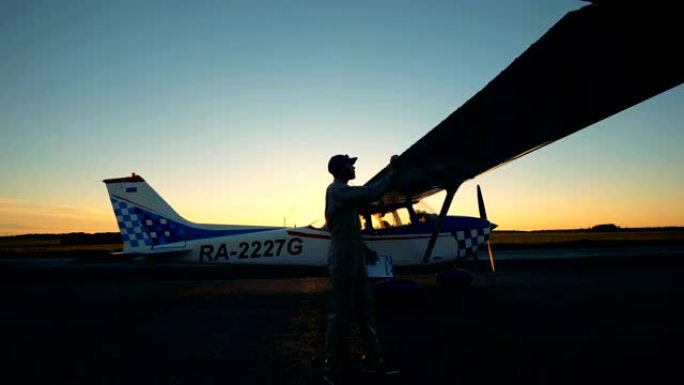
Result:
[{"x": 350, "y": 294}]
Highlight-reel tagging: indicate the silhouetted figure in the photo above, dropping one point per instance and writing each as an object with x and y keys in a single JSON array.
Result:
[{"x": 350, "y": 292}]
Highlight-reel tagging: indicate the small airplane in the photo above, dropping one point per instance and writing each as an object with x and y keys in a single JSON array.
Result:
[
  {"x": 150, "y": 226},
  {"x": 593, "y": 63}
]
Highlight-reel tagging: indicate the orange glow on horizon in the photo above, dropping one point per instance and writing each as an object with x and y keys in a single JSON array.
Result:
[{"x": 23, "y": 217}]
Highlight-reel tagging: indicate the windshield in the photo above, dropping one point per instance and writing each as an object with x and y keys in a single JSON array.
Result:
[
  {"x": 393, "y": 218},
  {"x": 422, "y": 208}
]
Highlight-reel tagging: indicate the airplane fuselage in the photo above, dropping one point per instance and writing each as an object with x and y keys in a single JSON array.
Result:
[
  {"x": 149, "y": 226},
  {"x": 306, "y": 246}
]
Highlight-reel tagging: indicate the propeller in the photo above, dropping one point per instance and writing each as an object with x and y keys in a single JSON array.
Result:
[{"x": 483, "y": 215}]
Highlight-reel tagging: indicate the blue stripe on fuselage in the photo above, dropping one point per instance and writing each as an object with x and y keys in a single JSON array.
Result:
[{"x": 160, "y": 230}]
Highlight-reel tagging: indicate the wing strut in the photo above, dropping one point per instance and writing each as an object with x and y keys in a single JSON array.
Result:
[{"x": 438, "y": 226}]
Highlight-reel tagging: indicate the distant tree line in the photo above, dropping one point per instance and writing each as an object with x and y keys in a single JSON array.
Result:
[
  {"x": 605, "y": 227},
  {"x": 72, "y": 238},
  {"x": 91, "y": 239}
]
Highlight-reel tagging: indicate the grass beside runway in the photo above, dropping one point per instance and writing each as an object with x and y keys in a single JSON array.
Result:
[{"x": 504, "y": 240}]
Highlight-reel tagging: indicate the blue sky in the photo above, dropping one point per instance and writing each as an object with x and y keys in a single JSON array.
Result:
[{"x": 230, "y": 110}]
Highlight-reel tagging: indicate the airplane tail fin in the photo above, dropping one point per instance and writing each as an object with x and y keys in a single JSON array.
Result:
[
  {"x": 145, "y": 220},
  {"x": 149, "y": 225}
]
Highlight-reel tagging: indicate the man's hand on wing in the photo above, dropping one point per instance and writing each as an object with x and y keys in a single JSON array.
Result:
[
  {"x": 392, "y": 165},
  {"x": 393, "y": 161}
]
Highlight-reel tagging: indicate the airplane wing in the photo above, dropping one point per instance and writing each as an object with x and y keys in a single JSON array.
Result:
[{"x": 596, "y": 61}]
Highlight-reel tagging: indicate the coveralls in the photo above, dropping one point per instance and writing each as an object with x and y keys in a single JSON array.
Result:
[{"x": 350, "y": 293}]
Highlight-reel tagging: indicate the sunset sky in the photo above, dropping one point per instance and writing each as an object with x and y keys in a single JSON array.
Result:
[{"x": 231, "y": 109}]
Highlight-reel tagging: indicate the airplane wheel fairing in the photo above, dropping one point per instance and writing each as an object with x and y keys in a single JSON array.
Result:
[
  {"x": 458, "y": 278},
  {"x": 397, "y": 291}
]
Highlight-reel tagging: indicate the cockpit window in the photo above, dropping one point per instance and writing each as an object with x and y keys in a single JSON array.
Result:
[
  {"x": 364, "y": 223},
  {"x": 422, "y": 208},
  {"x": 423, "y": 212},
  {"x": 393, "y": 218}
]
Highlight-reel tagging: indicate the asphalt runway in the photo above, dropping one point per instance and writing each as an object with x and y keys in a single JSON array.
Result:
[{"x": 617, "y": 321}]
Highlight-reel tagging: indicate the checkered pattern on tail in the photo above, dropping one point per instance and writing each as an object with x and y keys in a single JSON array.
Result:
[
  {"x": 140, "y": 228},
  {"x": 468, "y": 241}
]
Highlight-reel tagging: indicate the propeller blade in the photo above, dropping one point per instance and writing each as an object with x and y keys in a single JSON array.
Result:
[
  {"x": 491, "y": 257},
  {"x": 480, "y": 203}
]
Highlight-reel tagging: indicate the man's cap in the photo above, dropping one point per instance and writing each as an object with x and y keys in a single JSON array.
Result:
[{"x": 336, "y": 163}]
